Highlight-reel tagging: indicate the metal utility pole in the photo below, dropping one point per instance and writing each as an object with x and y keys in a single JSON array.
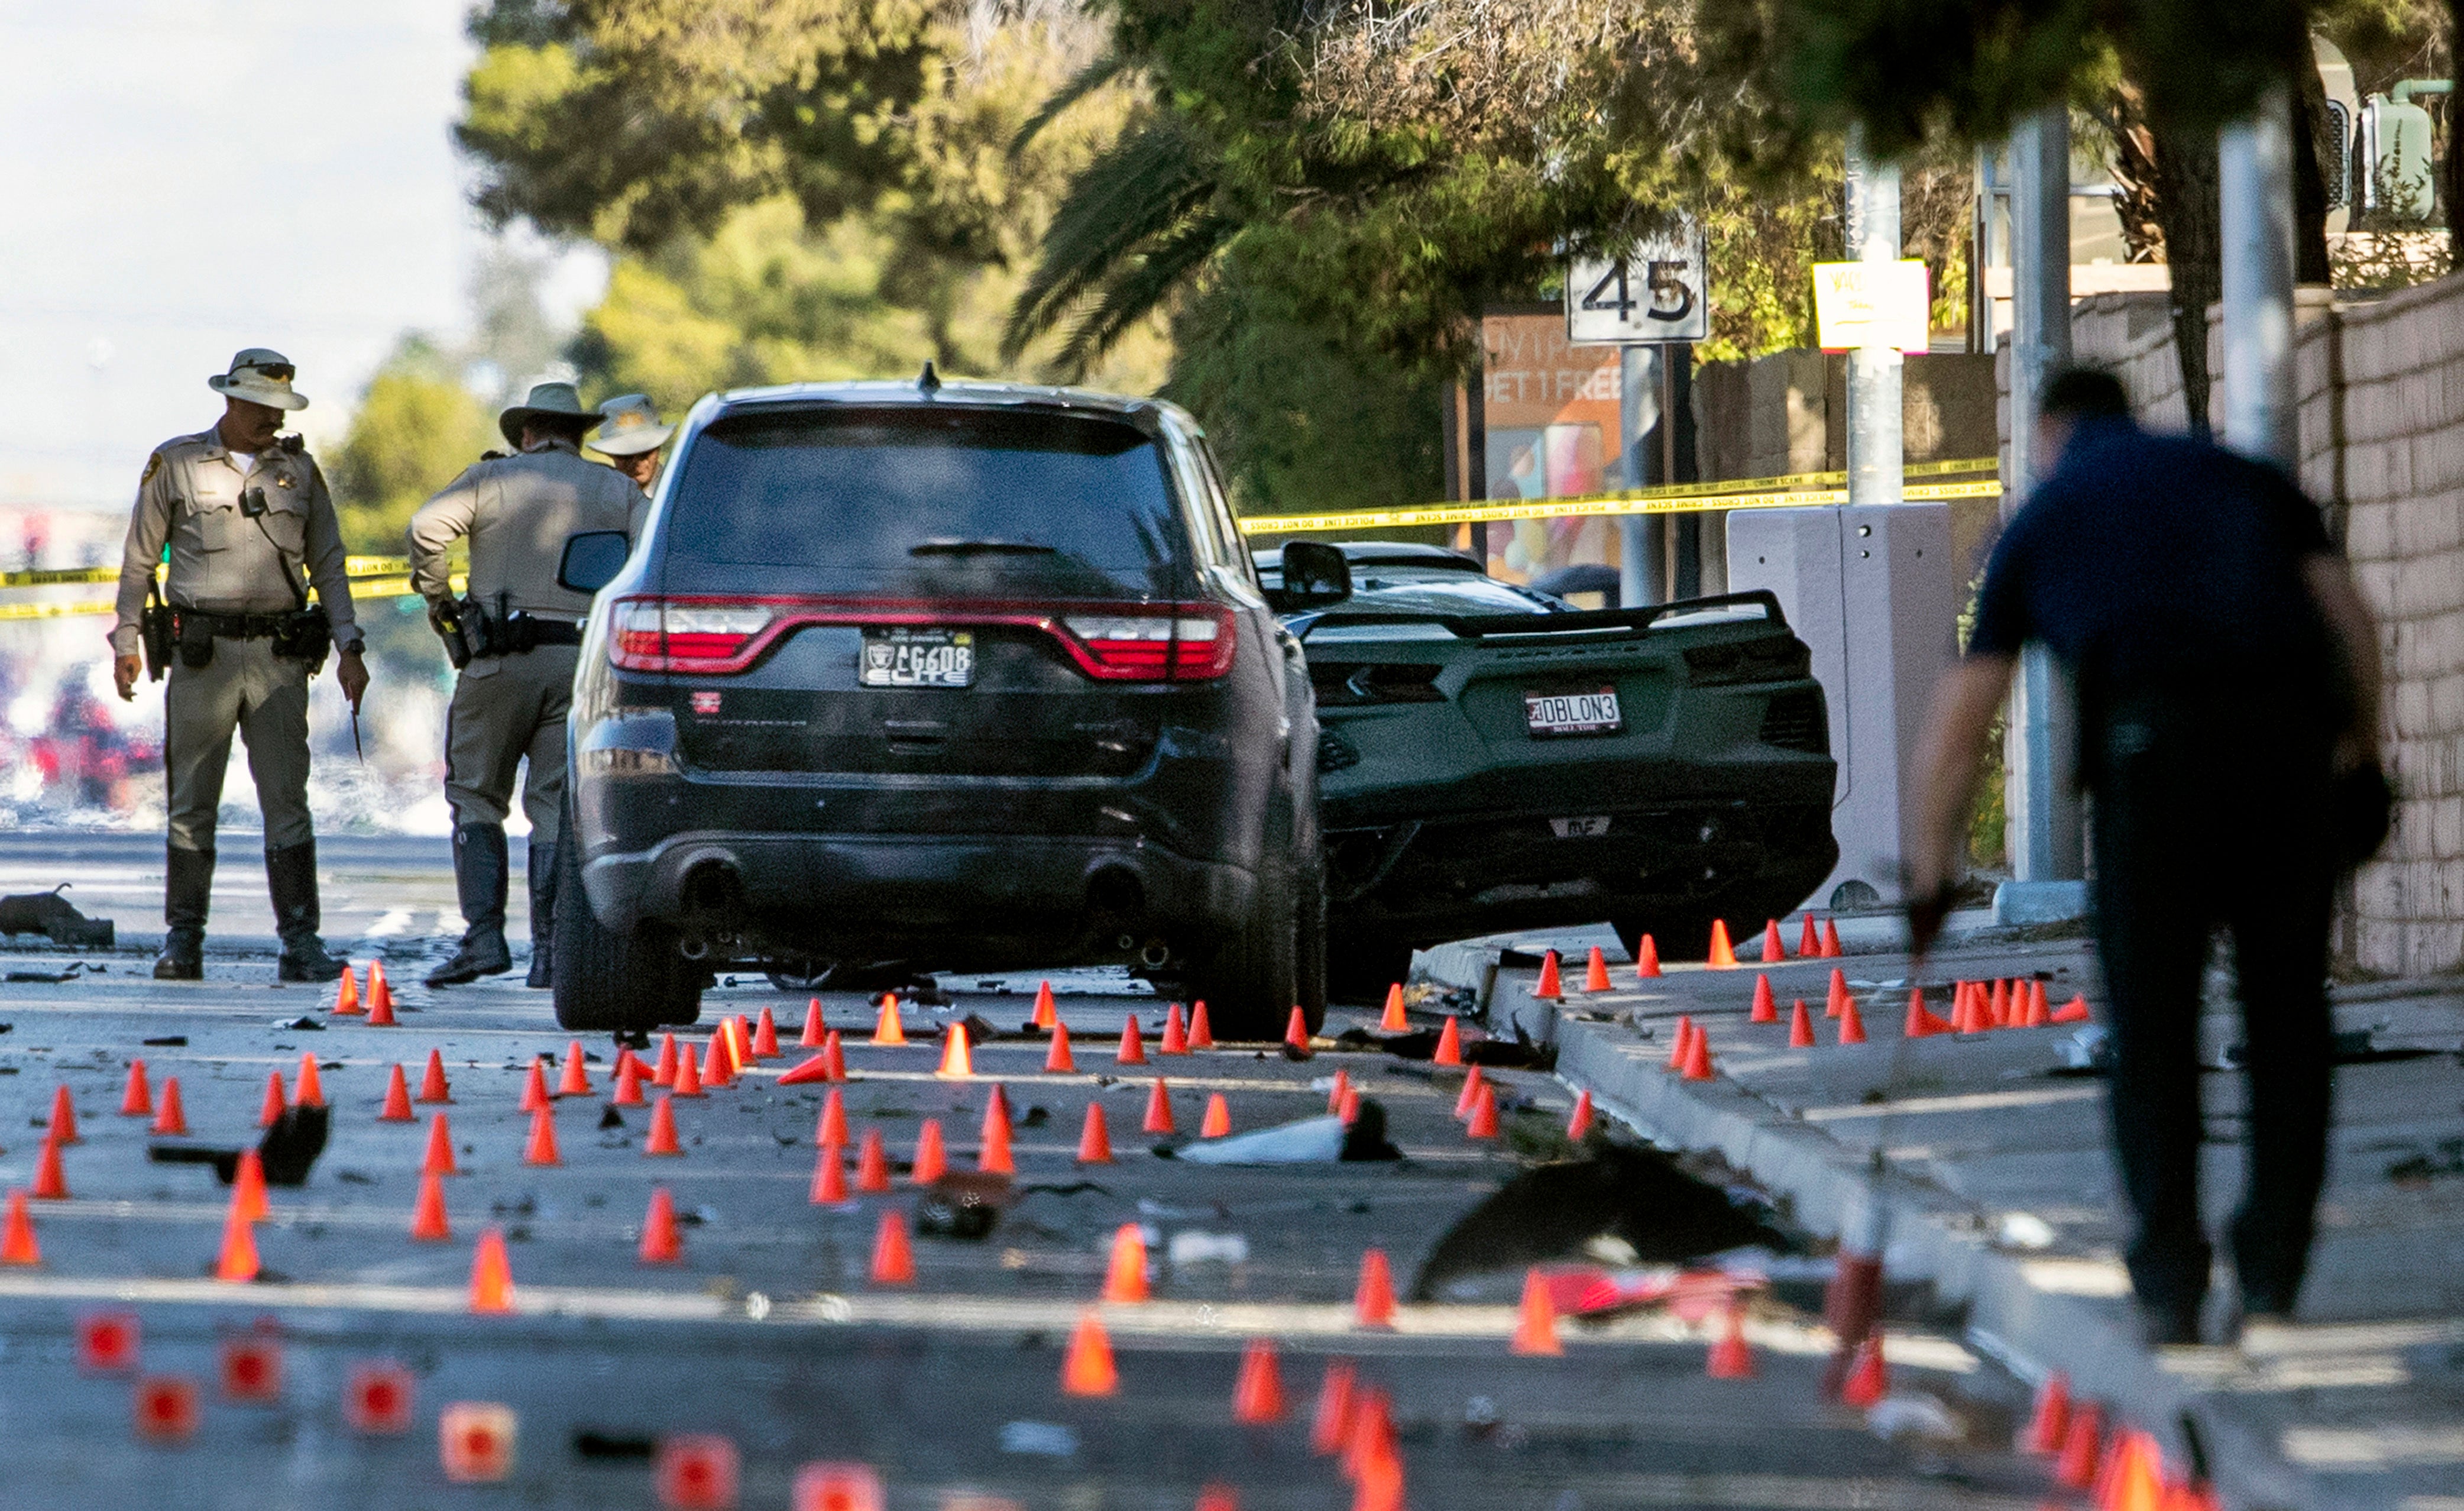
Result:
[
  {"x": 2042, "y": 794},
  {"x": 2255, "y": 184},
  {"x": 1874, "y": 449}
]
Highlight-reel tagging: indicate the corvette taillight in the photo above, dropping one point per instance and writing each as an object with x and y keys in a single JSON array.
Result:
[
  {"x": 1185, "y": 643},
  {"x": 655, "y": 634}
]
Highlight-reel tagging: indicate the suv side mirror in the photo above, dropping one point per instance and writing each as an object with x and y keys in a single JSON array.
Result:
[
  {"x": 1316, "y": 576},
  {"x": 592, "y": 559}
]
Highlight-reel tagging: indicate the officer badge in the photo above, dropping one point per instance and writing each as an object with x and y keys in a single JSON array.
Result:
[{"x": 282, "y": 479}]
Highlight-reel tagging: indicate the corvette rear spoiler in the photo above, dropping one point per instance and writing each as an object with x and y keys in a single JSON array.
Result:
[{"x": 1582, "y": 621}]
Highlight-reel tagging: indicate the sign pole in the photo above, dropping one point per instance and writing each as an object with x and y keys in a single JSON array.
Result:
[{"x": 1874, "y": 441}]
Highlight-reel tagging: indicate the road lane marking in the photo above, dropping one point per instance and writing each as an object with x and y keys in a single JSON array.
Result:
[{"x": 1974, "y": 1101}]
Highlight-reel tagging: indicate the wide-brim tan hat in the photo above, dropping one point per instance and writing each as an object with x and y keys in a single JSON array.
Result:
[
  {"x": 259, "y": 375},
  {"x": 632, "y": 427},
  {"x": 546, "y": 401}
]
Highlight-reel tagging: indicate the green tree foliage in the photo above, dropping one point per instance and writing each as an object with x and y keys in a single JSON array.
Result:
[{"x": 414, "y": 431}]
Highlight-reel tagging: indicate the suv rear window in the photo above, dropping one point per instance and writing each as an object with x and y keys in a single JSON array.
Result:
[{"x": 935, "y": 501}]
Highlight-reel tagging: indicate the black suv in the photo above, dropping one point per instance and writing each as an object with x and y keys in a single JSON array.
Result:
[{"x": 966, "y": 675}]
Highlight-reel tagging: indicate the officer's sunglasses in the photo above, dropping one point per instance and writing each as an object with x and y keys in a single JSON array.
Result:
[{"x": 278, "y": 372}]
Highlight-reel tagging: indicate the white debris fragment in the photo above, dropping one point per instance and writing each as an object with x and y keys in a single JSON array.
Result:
[{"x": 1191, "y": 1247}]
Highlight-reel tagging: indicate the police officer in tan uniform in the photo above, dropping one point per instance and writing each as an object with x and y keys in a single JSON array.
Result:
[
  {"x": 630, "y": 437},
  {"x": 249, "y": 525},
  {"x": 521, "y": 632}
]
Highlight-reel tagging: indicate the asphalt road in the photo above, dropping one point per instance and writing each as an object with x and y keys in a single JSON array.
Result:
[{"x": 770, "y": 1333}]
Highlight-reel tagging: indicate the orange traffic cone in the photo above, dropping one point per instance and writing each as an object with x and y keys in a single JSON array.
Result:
[
  {"x": 311, "y": 1086},
  {"x": 428, "y": 1224},
  {"x": 1350, "y": 1111},
  {"x": 814, "y": 1028},
  {"x": 534, "y": 1093},
  {"x": 431, "y": 1084},
  {"x": 663, "y": 1069},
  {"x": 834, "y": 1057},
  {"x": 932, "y": 1161},
  {"x": 2049, "y": 1423},
  {"x": 1731, "y": 1357},
  {"x": 64, "y": 1119},
  {"x": 1393, "y": 1020},
  {"x": 1045, "y": 1015},
  {"x": 237, "y": 1262},
  {"x": 628, "y": 1081},
  {"x": 830, "y": 1131},
  {"x": 1175, "y": 1033},
  {"x": 1839, "y": 993},
  {"x": 1373, "y": 1298},
  {"x": 1087, "y": 1368},
  {"x": 1852, "y": 1023},
  {"x": 1774, "y": 951},
  {"x": 829, "y": 1177},
  {"x": 956, "y": 1057},
  {"x": 1698, "y": 1060},
  {"x": 1535, "y": 1326},
  {"x": 271, "y": 1111},
  {"x": 1258, "y": 1394},
  {"x": 1684, "y": 1037},
  {"x": 542, "y": 1148},
  {"x": 380, "y": 993},
  {"x": 1484, "y": 1114},
  {"x": 766, "y": 1038},
  {"x": 2082, "y": 1448},
  {"x": 1596, "y": 971},
  {"x": 170, "y": 1119},
  {"x": 439, "y": 1158},
  {"x": 1201, "y": 1034},
  {"x": 137, "y": 1097},
  {"x": 1331, "y": 1419},
  {"x": 1800, "y": 1027},
  {"x": 18, "y": 1245},
  {"x": 661, "y": 1242},
  {"x": 397, "y": 1099},
  {"x": 1342, "y": 1083},
  {"x": 1217, "y": 1120},
  {"x": 893, "y": 1256},
  {"x": 688, "y": 1078},
  {"x": 994, "y": 1156},
  {"x": 1809, "y": 944},
  {"x": 1058, "y": 1060},
  {"x": 1646, "y": 963},
  {"x": 1094, "y": 1139},
  {"x": 1831, "y": 949},
  {"x": 50, "y": 1182},
  {"x": 661, "y": 1138},
  {"x": 346, "y": 994},
  {"x": 1997, "y": 1006},
  {"x": 873, "y": 1165},
  {"x": 1473, "y": 1079},
  {"x": 1921, "y": 1022},
  {"x": 248, "y": 1188},
  {"x": 1124, "y": 1273},
  {"x": 1868, "y": 1379},
  {"x": 2034, "y": 1014},
  {"x": 2075, "y": 1011},
  {"x": 1766, "y": 1009},
  {"x": 1578, "y": 1127},
  {"x": 886, "y": 1029},
  {"x": 1548, "y": 989},
  {"x": 1296, "y": 1032},
  {"x": 576, "y": 1079},
  {"x": 727, "y": 1055},
  {"x": 1158, "y": 1119},
  {"x": 1449, "y": 1050},
  {"x": 1722, "y": 955},
  {"x": 492, "y": 1275}
]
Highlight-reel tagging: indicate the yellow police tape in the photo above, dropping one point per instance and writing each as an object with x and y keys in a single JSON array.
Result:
[
  {"x": 353, "y": 567},
  {"x": 1643, "y": 501},
  {"x": 396, "y": 587}
]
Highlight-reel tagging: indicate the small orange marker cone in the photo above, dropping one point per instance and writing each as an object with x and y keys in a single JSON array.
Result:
[
  {"x": 1596, "y": 971},
  {"x": 1800, "y": 1027},
  {"x": 1646, "y": 959},
  {"x": 1217, "y": 1120},
  {"x": 873, "y": 1165},
  {"x": 1766, "y": 1009},
  {"x": 1158, "y": 1119},
  {"x": 1134, "y": 1048},
  {"x": 166, "y": 1407},
  {"x": 1998, "y": 1005},
  {"x": 311, "y": 1086},
  {"x": 993, "y": 1156},
  {"x": 1774, "y": 951},
  {"x": 829, "y": 1177},
  {"x": 431, "y": 1083},
  {"x": 932, "y": 1160},
  {"x": 439, "y": 1158},
  {"x": 64, "y": 1119},
  {"x": 957, "y": 1058},
  {"x": 814, "y": 1028},
  {"x": 1868, "y": 1378},
  {"x": 397, "y": 1099},
  {"x": 1548, "y": 988},
  {"x": 1087, "y": 1368},
  {"x": 1124, "y": 1273},
  {"x": 830, "y": 1131},
  {"x": 893, "y": 1256},
  {"x": 1809, "y": 944},
  {"x": 237, "y": 1262},
  {"x": 492, "y": 1275},
  {"x": 2082, "y": 1448},
  {"x": 1535, "y": 1326},
  {"x": 1258, "y": 1394},
  {"x": 1684, "y": 1037},
  {"x": 50, "y": 1182},
  {"x": 248, "y": 1188},
  {"x": 576, "y": 1079},
  {"x": 1058, "y": 1060},
  {"x": 1839, "y": 993},
  {"x": 688, "y": 1082},
  {"x": 1698, "y": 1060},
  {"x": 18, "y": 1245},
  {"x": 535, "y": 1094},
  {"x": 346, "y": 994},
  {"x": 1395, "y": 1021},
  {"x": 1044, "y": 1016},
  {"x": 834, "y": 1057},
  {"x": 1094, "y": 1139},
  {"x": 1921, "y": 1022},
  {"x": 2075, "y": 1011},
  {"x": 381, "y": 1007},
  {"x": 1449, "y": 1050},
  {"x": 1483, "y": 1114},
  {"x": 272, "y": 1108},
  {"x": 380, "y": 992},
  {"x": 1579, "y": 1126},
  {"x": 1201, "y": 1034},
  {"x": 1334, "y": 1093},
  {"x": 765, "y": 1036},
  {"x": 1331, "y": 1419},
  {"x": 1350, "y": 1111},
  {"x": 661, "y": 1242},
  {"x": 2050, "y": 1422},
  {"x": 428, "y": 1224},
  {"x": 170, "y": 1119},
  {"x": 886, "y": 1029},
  {"x": 1296, "y": 1032},
  {"x": 1372, "y": 1297},
  {"x": 1176, "y": 1031},
  {"x": 628, "y": 1081},
  {"x": 661, "y": 1139},
  {"x": 1731, "y": 1357},
  {"x": 663, "y": 1069},
  {"x": 1831, "y": 949},
  {"x": 137, "y": 1097},
  {"x": 1464, "y": 1098},
  {"x": 542, "y": 1148},
  {"x": 1216, "y": 1496},
  {"x": 2035, "y": 1015},
  {"x": 1722, "y": 955},
  {"x": 1852, "y": 1023}
]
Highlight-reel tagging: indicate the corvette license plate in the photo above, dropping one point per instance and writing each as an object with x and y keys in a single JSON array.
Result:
[
  {"x": 1551, "y": 715},
  {"x": 902, "y": 655}
]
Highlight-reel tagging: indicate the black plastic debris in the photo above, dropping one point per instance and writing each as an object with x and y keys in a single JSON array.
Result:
[
  {"x": 165, "y": 1041},
  {"x": 288, "y": 1150},
  {"x": 50, "y": 915}
]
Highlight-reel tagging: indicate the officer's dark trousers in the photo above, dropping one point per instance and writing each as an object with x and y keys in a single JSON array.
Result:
[{"x": 2195, "y": 831}]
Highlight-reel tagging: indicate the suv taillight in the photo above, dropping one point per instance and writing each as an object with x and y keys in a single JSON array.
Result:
[
  {"x": 654, "y": 635},
  {"x": 1184, "y": 643}
]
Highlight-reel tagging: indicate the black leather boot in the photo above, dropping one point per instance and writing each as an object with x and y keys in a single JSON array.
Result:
[
  {"x": 479, "y": 879},
  {"x": 543, "y": 914},
  {"x": 291, "y": 877},
  {"x": 187, "y": 888}
]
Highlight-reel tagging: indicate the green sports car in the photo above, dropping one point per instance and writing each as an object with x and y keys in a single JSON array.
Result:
[{"x": 1492, "y": 758}]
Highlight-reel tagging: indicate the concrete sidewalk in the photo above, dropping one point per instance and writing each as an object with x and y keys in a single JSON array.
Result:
[{"x": 1997, "y": 1186}]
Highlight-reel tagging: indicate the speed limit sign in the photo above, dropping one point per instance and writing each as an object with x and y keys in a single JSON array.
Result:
[{"x": 1660, "y": 290}]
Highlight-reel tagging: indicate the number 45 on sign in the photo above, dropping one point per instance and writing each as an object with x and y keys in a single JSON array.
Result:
[{"x": 1660, "y": 290}]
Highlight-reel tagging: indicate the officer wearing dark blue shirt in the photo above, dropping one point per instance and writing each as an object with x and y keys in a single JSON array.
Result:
[{"x": 2228, "y": 682}]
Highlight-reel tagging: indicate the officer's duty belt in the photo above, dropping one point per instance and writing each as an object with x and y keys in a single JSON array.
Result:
[{"x": 235, "y": 625}]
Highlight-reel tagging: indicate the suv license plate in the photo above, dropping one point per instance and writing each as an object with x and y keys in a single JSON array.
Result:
[
  {"x": 903, "y": 657},
  {"x": 1551, "y": 715}
]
